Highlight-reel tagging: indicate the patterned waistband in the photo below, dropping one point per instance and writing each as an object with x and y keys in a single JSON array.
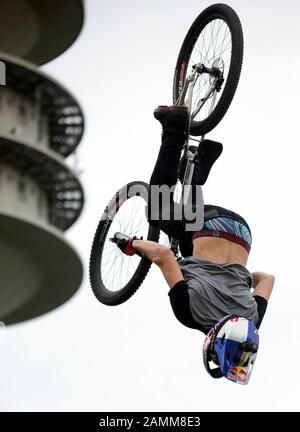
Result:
[{"x": 222, "y": 234}]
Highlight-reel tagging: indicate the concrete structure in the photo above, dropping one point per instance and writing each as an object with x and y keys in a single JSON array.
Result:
[
  {"x": 41, "y": 123},
  {"x": 39, "y": 30}
]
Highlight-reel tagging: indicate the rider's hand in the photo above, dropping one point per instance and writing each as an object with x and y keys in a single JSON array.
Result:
[
  {"x": 128, "y": 249},
  {"x": 124, "y": 243}
]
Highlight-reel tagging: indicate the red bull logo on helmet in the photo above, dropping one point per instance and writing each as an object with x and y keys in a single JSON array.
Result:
[{"x": 238, "y": 374}]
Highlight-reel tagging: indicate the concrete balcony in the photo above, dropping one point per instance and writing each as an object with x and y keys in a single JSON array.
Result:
[
  {"x": 40, "y": 195},
  {"x": 39, "y": 30}
]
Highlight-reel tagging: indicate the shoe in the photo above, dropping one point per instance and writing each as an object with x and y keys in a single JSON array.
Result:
[
  {"x": 174, "y": 116},
  {"x": 207, "y": 152}
]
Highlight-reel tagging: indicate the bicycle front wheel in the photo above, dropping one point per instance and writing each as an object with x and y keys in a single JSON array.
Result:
[
  {"x": 215, "y": 39},
  {"x": 115, "y": 277}
]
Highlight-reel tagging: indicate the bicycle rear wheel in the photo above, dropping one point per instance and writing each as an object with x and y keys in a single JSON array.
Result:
[
  {"x": 115, "y": 277},
  {"x": 215, "y": 39}
]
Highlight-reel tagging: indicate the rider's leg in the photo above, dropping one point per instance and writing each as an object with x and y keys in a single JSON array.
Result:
[
  {"x": 165, "y": 173},
  {"x": 174, "y": 124}
]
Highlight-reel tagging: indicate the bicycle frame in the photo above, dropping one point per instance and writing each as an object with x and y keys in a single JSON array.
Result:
[{"x": 187, "y": 90}]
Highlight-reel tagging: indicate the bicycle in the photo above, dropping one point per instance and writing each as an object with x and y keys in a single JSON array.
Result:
[{"x": 206, "y": 87}]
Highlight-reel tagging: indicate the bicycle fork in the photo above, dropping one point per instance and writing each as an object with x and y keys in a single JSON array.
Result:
[{"x": 191, "y": 158}]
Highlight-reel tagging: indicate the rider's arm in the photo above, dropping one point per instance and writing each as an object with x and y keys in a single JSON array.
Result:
[
  {"x": 263, "y": 284},
  {"x": 163, "y": 257},
  {"x": 179, "y": 298}
]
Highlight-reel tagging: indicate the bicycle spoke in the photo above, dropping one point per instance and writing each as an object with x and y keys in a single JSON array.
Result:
[
  {"x": 212, "y": 48},
  {"x": 117, "y": 268}
]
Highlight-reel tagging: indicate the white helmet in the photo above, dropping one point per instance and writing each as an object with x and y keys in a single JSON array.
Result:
[{"x": 232, "y": 344}]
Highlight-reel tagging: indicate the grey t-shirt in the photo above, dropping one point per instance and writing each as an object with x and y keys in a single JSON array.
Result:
[{"x": 216, "y": 290}]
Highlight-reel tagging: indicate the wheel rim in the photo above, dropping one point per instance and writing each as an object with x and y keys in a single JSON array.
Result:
[
  {"x": 116, "y": 268},
  {"x": 213, "y": 48}
]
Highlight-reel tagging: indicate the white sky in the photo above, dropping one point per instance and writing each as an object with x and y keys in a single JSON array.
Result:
[{"x": 89, "y": 357}]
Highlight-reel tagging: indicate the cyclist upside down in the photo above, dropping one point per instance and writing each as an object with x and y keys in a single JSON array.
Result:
[{"x": 210, "y": 289}]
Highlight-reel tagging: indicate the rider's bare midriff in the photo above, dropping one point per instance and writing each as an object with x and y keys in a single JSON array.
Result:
[{"x": 220, "y": 250}]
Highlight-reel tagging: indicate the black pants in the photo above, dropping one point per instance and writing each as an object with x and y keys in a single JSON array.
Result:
[{"x": 166, "y": 173}]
